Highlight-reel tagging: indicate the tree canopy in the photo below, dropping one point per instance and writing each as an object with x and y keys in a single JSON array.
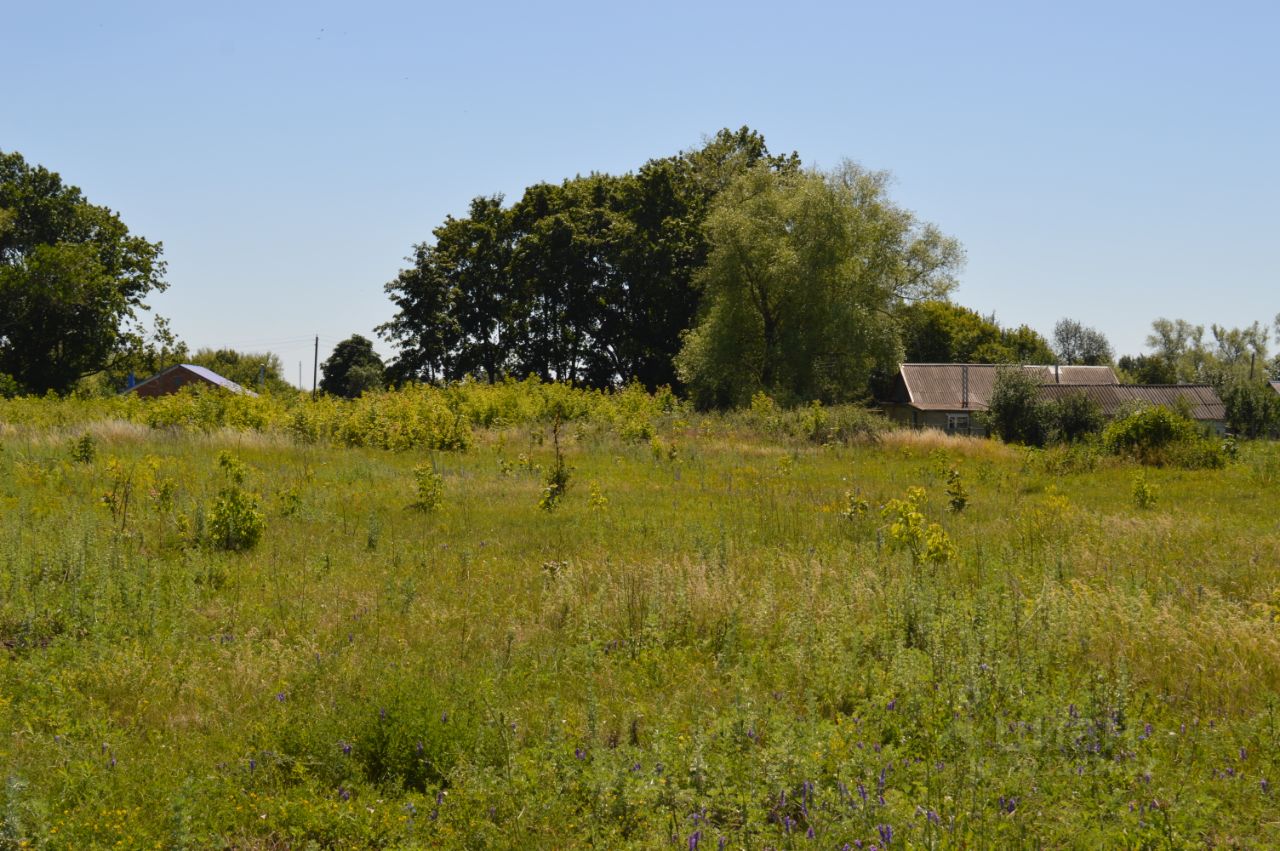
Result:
[
  {"x": 72, "y": 280},
  {"x": 935, "y": 331},
  {"x": 804, "y": 272},
  {"x": 1076, "y": 344},
  {"x": 352, "y": 368},
  {"x": 251, "y": 370},
  {"x": 588, "y": 281}
]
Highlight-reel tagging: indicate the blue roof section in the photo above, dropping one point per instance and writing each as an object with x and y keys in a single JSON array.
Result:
[{"x": 213, "y": 377}]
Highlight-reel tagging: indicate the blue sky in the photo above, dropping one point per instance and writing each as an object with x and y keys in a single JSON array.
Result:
[{"x": 1111, "y": 162}]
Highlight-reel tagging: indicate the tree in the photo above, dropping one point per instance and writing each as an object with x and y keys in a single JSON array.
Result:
[
  {"x": 941, "y": 332},
  {"x": 352, "y": 368},
  {"x": 72, "y": 279},
  {"x": 803, "y": 274},
  {"x": 1076, "y": 344},
  {"x": 1015, "y": 412},
  {"x": 589, "y": 280},
  {"x": 252, "y": 370}
]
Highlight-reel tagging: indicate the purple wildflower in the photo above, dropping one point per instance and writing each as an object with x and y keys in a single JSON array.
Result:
[
  {"x": 382, "y": 714},
  {"x": 579, "y": 753},
  {"x": 253, "y": 763},
  {"x": 420, "y": 748},
  {"x": 694, "y": 839},
  {"x": 724, "y": 840},
  {"x": 809, "y": 834},
  {"x": 886, "y": 833},
  {"x": 862, "y": 792},
  {"x": 280, "y": 696},
  {"x": 345, "y": 747},
  {"x": 1243, "y": 754},
  {"x": 892, "y": 705},
  {"x": 344, "y": 794},
  {"x": 1266, "y": 787}
]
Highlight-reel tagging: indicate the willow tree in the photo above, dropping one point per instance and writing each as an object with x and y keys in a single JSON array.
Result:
[{"x": 804, "y": 272}]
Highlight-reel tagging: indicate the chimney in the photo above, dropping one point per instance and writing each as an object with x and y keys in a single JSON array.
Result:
[
  {"x": 1057, "y": 379},
  {"x": 964, "y": 386}
]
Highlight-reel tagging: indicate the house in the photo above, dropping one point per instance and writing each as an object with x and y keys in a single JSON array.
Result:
[
  {"x": 946, "y": 395},
  {"x": 175, "y": 378},
  {"x": 1201, "y": 401},
  {"x": 1275, "y": 385}
]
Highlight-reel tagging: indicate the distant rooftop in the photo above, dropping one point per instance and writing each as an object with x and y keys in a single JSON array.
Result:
[{"x": 968, "y": 386}]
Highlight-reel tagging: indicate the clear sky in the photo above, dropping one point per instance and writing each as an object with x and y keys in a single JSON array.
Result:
[{"x": 1112, "y": 162}]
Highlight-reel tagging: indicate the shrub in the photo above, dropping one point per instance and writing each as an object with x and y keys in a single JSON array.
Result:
[
  {"x": 1159, "y": 436},
  {"x": 234, "y": 523},
  {"x": 84, "y": 449},
  {"x": 430, "y": 488},
  {"x": 1144, "y": 493},
  {"x": 1148, "y": 428},
  {"x": 1074, "y": 417}
]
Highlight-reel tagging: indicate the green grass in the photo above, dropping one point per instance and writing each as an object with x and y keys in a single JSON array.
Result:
[{"x": 695, "y": 641}]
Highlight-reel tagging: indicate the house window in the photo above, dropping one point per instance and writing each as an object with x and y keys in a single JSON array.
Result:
[{"x": 957, "y": 423}]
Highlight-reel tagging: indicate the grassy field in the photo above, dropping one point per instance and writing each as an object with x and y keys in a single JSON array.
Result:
[{"x": 718, "y": 638}]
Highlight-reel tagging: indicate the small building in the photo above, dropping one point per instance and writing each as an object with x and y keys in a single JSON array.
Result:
[
  {"x": 175, "y": 378},
  {"x": 947, "y": 395},
  {"x": 1275, "y": 385},
  {"x": 1201, "y": 401}
]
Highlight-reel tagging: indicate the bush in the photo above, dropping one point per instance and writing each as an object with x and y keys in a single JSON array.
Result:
[
  {"x": 234, "y": 523},
  {"x": 1158, "y": 436},
  {"x": 1074, "y": 417}
]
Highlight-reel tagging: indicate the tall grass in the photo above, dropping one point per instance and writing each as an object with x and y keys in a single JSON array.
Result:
[{"x": 696, "y": 644}]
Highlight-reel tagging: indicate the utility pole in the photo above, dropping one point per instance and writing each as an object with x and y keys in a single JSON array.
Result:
[{"x": 315, "y": 367}]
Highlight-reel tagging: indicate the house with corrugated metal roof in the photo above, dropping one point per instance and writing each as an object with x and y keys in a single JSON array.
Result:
[
  {"x": 1199, "y": 401},
  {"x": 175, "y": 378},
  {"x": 948, "y": 395}
]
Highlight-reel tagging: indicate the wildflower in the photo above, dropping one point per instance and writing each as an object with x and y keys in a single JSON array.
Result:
[
  {"x": 862, "y": 792},
  {"x": 694, "y": 839},
  {"x": 419, "y": 747},
  {"x": 892, "y": 705},
  {"x": 1266, "y": 787},
  {"x": 344, "y": 794},
  {"x": 382, "y": 714},
  {"x": 886, "y": 833},
  {"x": 579, "y": 753},
  {"x": 722, "y": 843},
  {"x": 345, "y": 748},
  {"x": 253, "y": 764},
  {"x": 809, "y": 834},
  {"x": 280, "y": 696},
  {"x": 1243, "y": 754}
]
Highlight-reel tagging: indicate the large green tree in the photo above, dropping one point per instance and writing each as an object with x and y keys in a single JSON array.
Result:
[
  {"x": 1075, "y": 343},
  {"x": 935, "y": 331},
  {"x": 589, "y": 280},
  {"x": 73, "y": 280},
  {"x": 804, "y": 274},
  {"x": 353, "y": 368}
]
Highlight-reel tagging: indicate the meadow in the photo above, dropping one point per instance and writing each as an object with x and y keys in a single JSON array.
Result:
[{"x": 752, "y": 630}]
